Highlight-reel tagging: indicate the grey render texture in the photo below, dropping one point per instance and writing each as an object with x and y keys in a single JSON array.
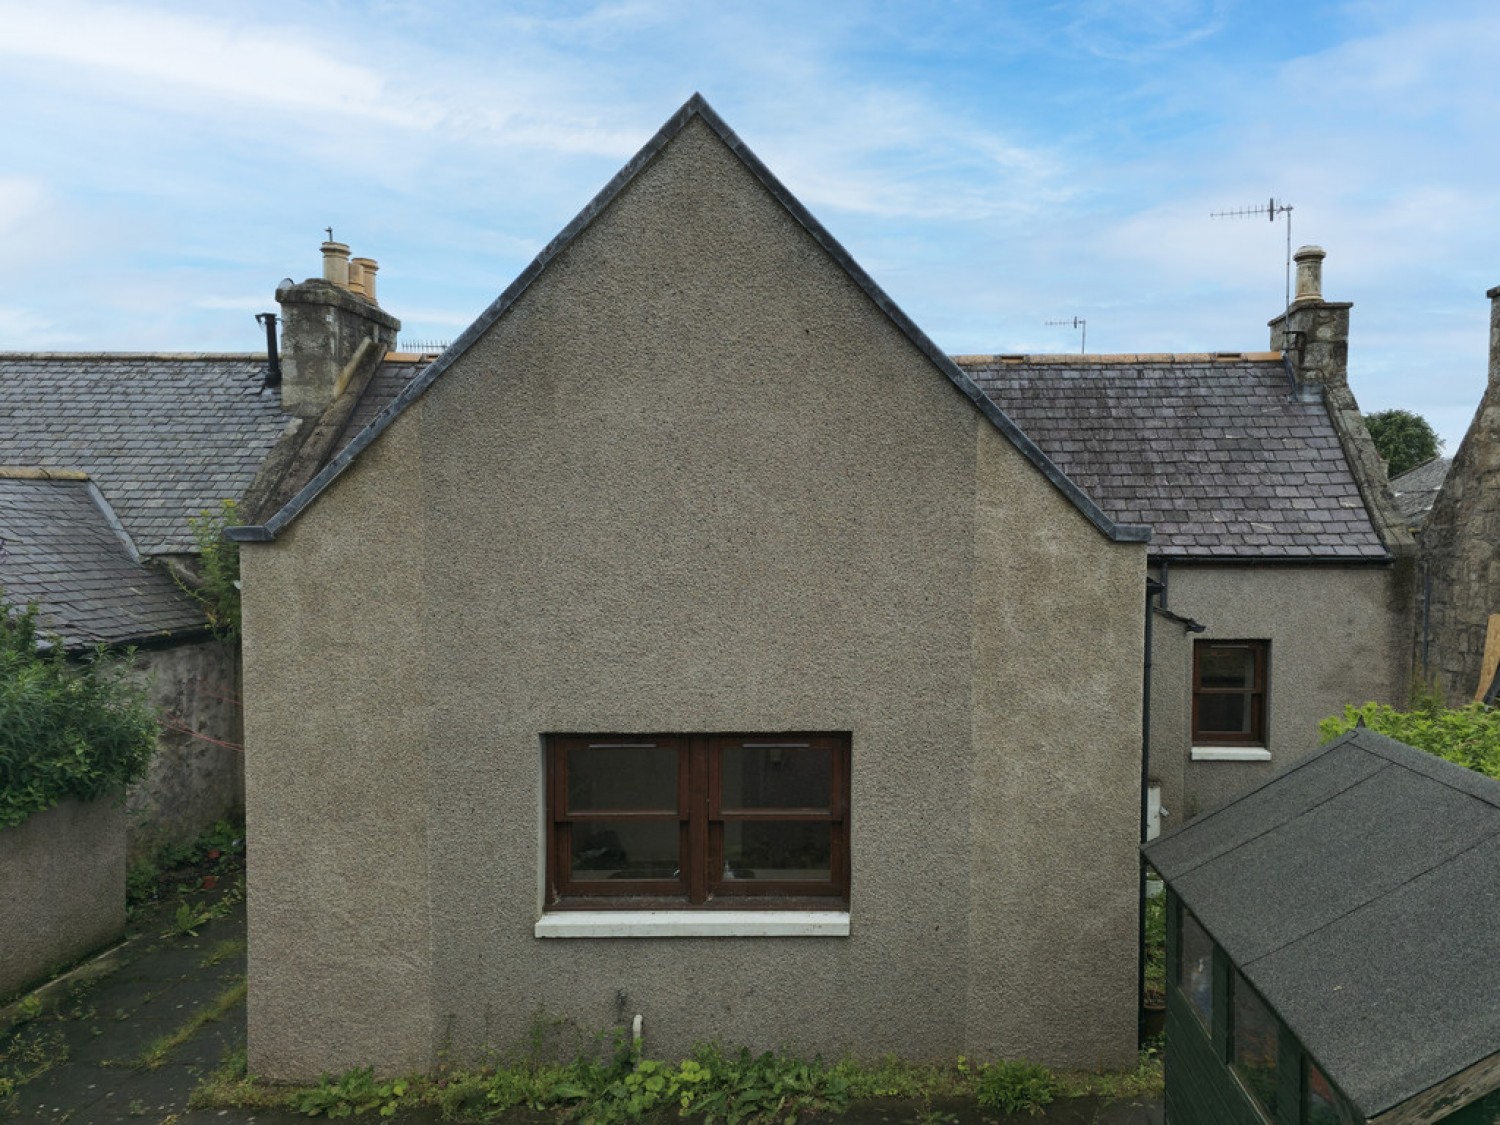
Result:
[
  {"x": 1356, "y": 891},
  {"x": 693, "y": 472}
]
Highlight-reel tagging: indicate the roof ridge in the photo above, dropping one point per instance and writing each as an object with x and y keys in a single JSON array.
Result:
[
  {"x": 18, "y": 355},
  {"x": 1121, "y": 357},
  {"x": 28, "y": 472}
]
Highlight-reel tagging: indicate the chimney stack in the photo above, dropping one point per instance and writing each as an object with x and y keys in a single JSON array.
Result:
[
  {"x": 324, "y": 321},
  {"x": 1314, "y": 333}
]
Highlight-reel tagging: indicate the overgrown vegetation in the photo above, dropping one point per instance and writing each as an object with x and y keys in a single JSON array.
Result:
[
  {"x": 216, "y": 855},
  {"x": 1156, "y": 947},
  {"x": 616, "y": 1085},
  {"x": 218, "y": 587},
  {"x": 1468, "y": 736},
  {"x": 1017, "y": 1085},
  {"x": 67, "y": 728}
]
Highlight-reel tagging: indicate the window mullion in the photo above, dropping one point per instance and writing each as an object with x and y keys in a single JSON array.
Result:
[{"x": 694, "y": 859}]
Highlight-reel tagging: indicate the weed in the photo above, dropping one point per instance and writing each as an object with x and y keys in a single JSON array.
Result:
[
  {"x": 231, "y": 947},
  {"x": 156, "y": 1054},
  {"x": 28, "y": 1051},
  {"x": 353, "y": 1092},
  {"x": 1016, "y": 1085},
  {"x": 28, "y": 1009},
  {"x": 1144, "y": 1081}
]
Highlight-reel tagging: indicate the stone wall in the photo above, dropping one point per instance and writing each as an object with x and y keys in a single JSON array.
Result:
[
  {"x": 1461, "y": 549},
  {"x": 62, "y": 888},
  {"x": 197, "y": 775}
]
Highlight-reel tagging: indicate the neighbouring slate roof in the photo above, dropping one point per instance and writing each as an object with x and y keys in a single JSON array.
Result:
[
  {"x": 695, "y": 108},
  {"x": 1357, "y": 891},
  {"x": 60, "y": 549},
  {"x": 1213, "y": 452},
  {"x": 1416, "y": 489},
  {"x": 388, "y": 381},
  {"x": 162, "y": 436}
]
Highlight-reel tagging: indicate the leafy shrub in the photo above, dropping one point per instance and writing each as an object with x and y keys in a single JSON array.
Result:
[
  {"x": 67, "y": 729},
  {"x": 218, "y": 586},
  {"x": 1468, "y": 736},
  {"x": 351, "y": 1093},
  {"x": 1015, "y": 1085}
]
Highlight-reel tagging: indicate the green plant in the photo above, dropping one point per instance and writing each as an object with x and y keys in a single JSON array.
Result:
[
  {"x": 67, "y": 729},
  {"x": 356, "y": 1091},
  {"x": 1404, "y": 439},
  {"x": 1016, "y": 1085},
  {"x": 156, "y": 1053},
  {"x": 217, "y": 589},
  {"x": 1156, "y": 946},
  {"x": 1468, "y": 736}
]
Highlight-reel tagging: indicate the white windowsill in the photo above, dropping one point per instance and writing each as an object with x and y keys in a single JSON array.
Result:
[
  {"x": 693, "y": 923},
  {"x": 1231, "y": 754}
]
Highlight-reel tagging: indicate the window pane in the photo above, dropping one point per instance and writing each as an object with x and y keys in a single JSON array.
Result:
[
  {"x": 1224, "y": 714},
  {"x": 1226, "y": 668},
  {"x": 625, "y": 849},
  {"x": 1253, "y": 1043},
  {"x": 1195, "y": 968},
  {"x": 778, "y": 849},
  {"x": 617, "y": 776},
  {"x": 768, "y": 776}
]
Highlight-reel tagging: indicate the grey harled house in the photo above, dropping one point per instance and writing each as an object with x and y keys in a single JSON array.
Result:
[
  {"x": 1333, "y": 937},
  {"x": 1285, "y": 571},
  {"x": 694, "y": 640}
]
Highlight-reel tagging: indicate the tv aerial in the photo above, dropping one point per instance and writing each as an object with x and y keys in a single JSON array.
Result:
[
  {"x": 1080, "y": 324},
  {"x": 1272, "y": 210}
]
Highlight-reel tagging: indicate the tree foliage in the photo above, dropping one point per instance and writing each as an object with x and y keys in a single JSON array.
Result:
[
  {"x": 1404, "y": 439},
  {"x": 1468, "y": 736},
  {"x": 67, "y": 729}
]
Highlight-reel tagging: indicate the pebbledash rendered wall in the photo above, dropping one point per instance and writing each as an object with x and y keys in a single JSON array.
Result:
[
  {"x": 62, "y": 886},
  {"x": 1336, "y": 635},
  {"x": 692, "y": 480}
]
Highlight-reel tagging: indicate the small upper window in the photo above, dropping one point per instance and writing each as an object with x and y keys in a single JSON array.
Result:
[
  {"x": 1229, "y": 693},
  {"x": 693, "y": 820}
]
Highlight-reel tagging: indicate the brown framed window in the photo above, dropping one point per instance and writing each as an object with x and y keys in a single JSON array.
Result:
[
  {"x": 700, "y": 820},
  {"x": 1229, "y": 692}
]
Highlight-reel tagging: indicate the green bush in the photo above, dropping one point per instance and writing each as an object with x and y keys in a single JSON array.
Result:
[
  {"x": 1014, "y": 1085},
  {"x": 67, "y": 729},
  {"x": 1468, "y": 736}
]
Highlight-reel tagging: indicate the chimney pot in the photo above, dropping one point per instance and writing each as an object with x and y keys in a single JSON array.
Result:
[
  {"x": 336, "y": 264},
  {"x": 1309, "y": 261},
  {"x": 368, "y": 267}
]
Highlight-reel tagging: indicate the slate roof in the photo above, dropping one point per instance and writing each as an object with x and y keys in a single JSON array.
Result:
[
  {"x": 1416, "y": 489},
  {"x": 60, "y": 548},
  {"x": 1213, "y": 452},
  {"x": 162, "y": 436},
  {"x": 1357, "y": 891}
]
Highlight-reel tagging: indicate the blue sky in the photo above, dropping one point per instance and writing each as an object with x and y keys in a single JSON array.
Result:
[{"x": 993, "y": 165}]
